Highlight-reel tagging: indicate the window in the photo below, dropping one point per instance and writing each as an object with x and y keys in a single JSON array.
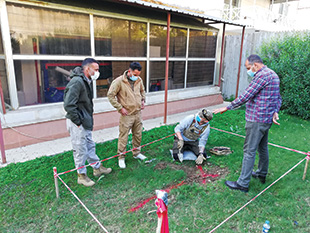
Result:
[
  {"x": 200, "y": 73},
  {"x": 41, "y": 31},
  {"x": 42, "y": 81},
  {"x": 117, "y": 37},
  {"x": 110, "y": 71},
  {"x": 202, "y": 43},
  {"x": 175, "y": 76},
  {"x": 158, "y": 39}
]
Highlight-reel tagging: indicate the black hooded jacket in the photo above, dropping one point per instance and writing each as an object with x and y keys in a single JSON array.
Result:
[{"x": 78, "y": 100}]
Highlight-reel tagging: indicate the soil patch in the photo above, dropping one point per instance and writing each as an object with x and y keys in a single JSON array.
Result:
[{"x": 194, "y": 174}]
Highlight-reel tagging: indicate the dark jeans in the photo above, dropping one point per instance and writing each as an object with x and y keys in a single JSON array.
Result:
[
  {"x": 256, "y": 139},
  {"x": 188, "y": 145}
]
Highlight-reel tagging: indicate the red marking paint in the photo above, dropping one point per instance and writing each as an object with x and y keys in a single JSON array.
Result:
[
  {"x": 141, "y": 204},
  {"x": 204, "y": 175}
]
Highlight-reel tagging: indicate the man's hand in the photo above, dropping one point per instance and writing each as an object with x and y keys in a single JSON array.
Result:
[
  {"x": 142, "y": 105},
  {"x": 275, "y": 117},
  {"x": 200, "y": 159},
  {"x": 124, "y": 112},
  {"x": 180, "y": 144},
  {"x": 220, "y": 110}
]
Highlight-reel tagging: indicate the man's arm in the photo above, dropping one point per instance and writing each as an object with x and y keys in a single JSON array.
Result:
[
  {"x": 142, "y": 92},
  {"x": 71, "y": 98},
  {"x": 255, "y": 86},
  {"x": 184, "y": 124},
  {"x": 203, "y": 139},
  {"x": 112, "y": 93}
]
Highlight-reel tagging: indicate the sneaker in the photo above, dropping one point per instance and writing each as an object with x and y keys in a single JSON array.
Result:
[
  {"x": 84, "y": 180},
  {"x": 121, "y": 163},
  {"x": 101, "y": 170},
  {"x": 140, "y": 156}
]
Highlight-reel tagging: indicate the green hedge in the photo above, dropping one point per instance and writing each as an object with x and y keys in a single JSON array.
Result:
[{"x": 289, "y": 57}]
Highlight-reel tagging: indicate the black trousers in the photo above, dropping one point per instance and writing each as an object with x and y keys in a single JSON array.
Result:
[{"x": 188, "y": 145}]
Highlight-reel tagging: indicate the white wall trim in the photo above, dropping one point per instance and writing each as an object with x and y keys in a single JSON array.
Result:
[{"x": 7, "y": 46}]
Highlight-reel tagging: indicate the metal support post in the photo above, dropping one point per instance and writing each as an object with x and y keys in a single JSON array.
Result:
[
  {"x": 56, "y": 182},
  {"x": 167, "y": 66}
]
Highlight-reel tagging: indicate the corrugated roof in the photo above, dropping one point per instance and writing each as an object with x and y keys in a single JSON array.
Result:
[{"x": 180, "y": 11}]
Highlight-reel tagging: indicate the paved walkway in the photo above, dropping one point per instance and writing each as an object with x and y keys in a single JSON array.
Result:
[{"x": 57, "y": 146}]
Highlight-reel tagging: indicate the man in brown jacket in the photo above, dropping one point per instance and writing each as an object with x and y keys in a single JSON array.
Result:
[{"x": 127, "y": 95}]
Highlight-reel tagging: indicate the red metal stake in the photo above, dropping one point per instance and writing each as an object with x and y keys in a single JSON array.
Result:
[
  {"x": 242, "y": 38},
  {"x": 167, "y": 66},
  {"x": 2, "y": 145},
  {"x": 222, "y": 53}
]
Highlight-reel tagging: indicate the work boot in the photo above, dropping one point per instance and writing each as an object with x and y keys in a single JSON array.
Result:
[
  {"x": 84, "y": 180},
  {"x": 101, "y": 170},
  {"x": 121, "y": 163},
  {"x": 261, "y": 178},
  {"x": 140, "y": 156}
]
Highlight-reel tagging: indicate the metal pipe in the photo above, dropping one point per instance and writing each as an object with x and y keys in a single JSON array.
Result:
[
  {"x": 242, "y": 38},
  {"x": 2, "y": 145},
  {"x": 167, "y": 65},
  {"x": 222, "y": 53}
]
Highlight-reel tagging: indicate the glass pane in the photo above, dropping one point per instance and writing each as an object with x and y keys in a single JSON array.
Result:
[
  {"x": 4, "y": 83},
  {"x": 42, "y": 81},
  {"x": 202, "y": 44},
  {"x": 200, "y": 73},
  {"x": 117, "y": 37},
  {"x": 158, "y": 39},
  {"x": 175, "y": 77},
  {"x": 1, "y": 44},
  {"x": 110, "y": 71},
  {"x": 42, "y": 31},
  {"x": 177, "y": 46}
]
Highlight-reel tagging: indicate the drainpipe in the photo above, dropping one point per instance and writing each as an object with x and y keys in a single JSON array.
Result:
[
  {"x": 2, "y": 145},
  {"x": 167, "y": 66},
  {"x": 222, "y": 54},
  {"x": 242, "y": 38},
  {"x": 1, "y": 132}
]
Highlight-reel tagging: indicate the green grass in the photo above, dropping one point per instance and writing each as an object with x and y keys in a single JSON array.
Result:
[{"x": 28, "y": 202}]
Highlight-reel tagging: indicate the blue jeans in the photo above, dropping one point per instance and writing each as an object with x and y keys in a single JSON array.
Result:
[{"x": 256, "y": 139}]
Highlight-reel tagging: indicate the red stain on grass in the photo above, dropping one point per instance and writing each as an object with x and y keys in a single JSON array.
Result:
[
  {"x": 141, "y": 204},
  {"x": 204, "y": 175}
]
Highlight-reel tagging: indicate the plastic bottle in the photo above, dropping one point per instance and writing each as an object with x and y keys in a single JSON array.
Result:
[{"x": 266, "y": 227}]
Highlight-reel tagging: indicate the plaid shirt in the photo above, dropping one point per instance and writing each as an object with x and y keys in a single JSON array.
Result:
[{"x": 262, "y": 97}]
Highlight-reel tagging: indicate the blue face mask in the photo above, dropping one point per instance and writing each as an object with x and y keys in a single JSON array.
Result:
[
  {"x": 198, "y": 119},
  {"x": 133, "y": 78},
  {"x": 251, "y": 73}
]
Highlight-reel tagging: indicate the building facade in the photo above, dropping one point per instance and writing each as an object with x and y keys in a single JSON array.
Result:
[{"x": 42, "y": 41}]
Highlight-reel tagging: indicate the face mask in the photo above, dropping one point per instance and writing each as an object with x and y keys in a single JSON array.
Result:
[
  {"x": 133, "y": 78},
  {"x": 95, "y": 76},
  {"x": 198, "y": 118},
  {"x": 251, "y": 73}
]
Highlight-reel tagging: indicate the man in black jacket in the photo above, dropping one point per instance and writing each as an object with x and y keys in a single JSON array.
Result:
[{"x": 78, "y": 103}]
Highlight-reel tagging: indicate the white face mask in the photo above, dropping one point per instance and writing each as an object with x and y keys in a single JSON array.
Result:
[{"x": 95, "y": 76}]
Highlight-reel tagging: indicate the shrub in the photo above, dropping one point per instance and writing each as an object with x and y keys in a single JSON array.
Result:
[{"x": 289, "y": 57}]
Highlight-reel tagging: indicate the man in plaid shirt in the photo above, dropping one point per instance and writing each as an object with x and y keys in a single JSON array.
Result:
[{"x": 263, "y": 102}]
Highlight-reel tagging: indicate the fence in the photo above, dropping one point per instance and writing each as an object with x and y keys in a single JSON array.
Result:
[{"x": 252, "y": 44}]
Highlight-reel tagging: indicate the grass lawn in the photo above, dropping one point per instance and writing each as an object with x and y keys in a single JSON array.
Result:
[{"x": 28, "y": 202}]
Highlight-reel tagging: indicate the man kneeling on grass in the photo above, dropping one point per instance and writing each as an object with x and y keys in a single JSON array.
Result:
[{"x": 192, "y": 134}]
